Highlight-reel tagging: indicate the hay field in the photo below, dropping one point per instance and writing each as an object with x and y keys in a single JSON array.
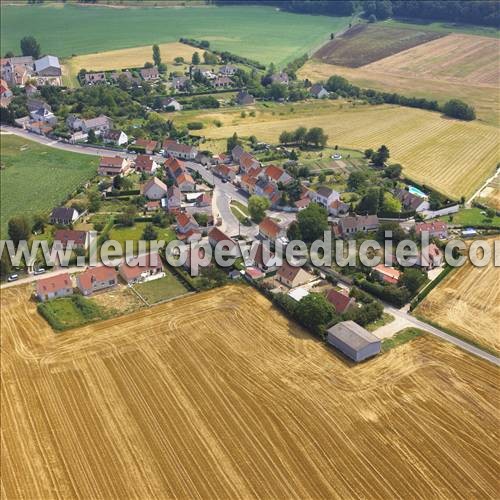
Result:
[
  {"x": 452, "y": 156},
  {"x": 365, "y": 43},
  {"x": 129, "y": 58},
  {"x": 490, "y": 195},
  {"x": 468, "y": 303},
  {"x": 218, "y": 395},
  {"x": 455, "y": 66}
]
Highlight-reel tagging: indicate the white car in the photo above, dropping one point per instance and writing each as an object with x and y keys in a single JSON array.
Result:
[
  {"x": 38, "y": 271},
  {"x": 13, "y": 277},
  {"x": 336, "y": 156}
]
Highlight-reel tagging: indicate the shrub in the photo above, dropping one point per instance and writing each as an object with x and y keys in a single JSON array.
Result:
[{"x": 195, "y": 125}]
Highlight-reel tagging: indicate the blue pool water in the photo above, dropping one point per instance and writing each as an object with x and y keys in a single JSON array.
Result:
[{"x": 417, "y": 192}]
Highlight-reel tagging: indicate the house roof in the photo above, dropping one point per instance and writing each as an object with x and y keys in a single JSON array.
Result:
[
  {"x": 174, "y": 191},
  {"x": 144, "y": 162},
  {"x": 134, "y": 268},
  {"x": 431, "y": 227},
  {"x": 324, "y": 191},
  {"x": 93, "y": 274},
  {"x": 339, "y": 299},
  {"x": 303, "y": 202},
  {"x": 288, "y": 271},
  {"x": 64, "y": 213},
  {"x": 111, "y": 161},
  {"x": 270, "y": 227},
  {"x": 358, "y": 221},
  {"x": 149, "y": 72},
  {"x": 154, "y": 181},
  {"x": 389, "y": 272},
  {"x": 100, "y": 121},
  {"x": 113, "y": 135},
  {"x": 353, "y": 335},
  {"x": 53, "y": 284},
  {"x": 409, "y": 200},
  {"x": 259, "y": 256},
  {"x": 47, "y": 62},
  {"x": 217, "y": 235},
  {"x": 177, "y": 147},
  {"x": 67, "y": 235},
  {"x": 274, "y": 172},
  {"x": 146, "y": 143},
  {"x": 184, "y": 177},
  {"x": 316, "y": 88},
  {"x": 185, "y": 219}
]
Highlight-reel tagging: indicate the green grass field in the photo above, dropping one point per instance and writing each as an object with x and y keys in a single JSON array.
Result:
[
  {"x": 161, "y": 289},
  {"x": 472, "y": 217},
  {"x": 134, "y": 233},
  {"x": 261, "y": 33},
  {"x": 36, "y": 178}
]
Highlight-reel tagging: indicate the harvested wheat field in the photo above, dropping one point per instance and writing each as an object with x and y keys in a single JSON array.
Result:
[
  {"x": 468, "y": 303},
  {"x": 490, "y": 195},
  {"x": 218, "y": 395},
  {"x": 452, "y": 156}
]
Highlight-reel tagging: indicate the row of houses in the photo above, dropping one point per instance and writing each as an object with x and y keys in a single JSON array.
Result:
[
  {"x": 19, "y": 70},
  {"x": 95, "y": 279}
]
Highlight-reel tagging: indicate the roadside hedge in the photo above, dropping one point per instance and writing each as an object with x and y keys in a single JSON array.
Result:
[{"x": 428, "y": 289}]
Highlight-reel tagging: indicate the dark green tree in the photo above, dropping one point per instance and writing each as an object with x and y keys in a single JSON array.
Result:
[
  {"x": 19, "y": 228},
  {"x": 313, "y": 222},
  {"x": 30, "y": 47},
  {"x": 156, "y": 55}
]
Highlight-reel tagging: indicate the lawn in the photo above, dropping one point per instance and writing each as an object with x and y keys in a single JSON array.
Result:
[
  {"x": 258, "y": 32},
  {"x": 240, "y": 211},
  {"x": 451, "y": 156},
  {"x": 161, "y": 289},
  {"x": 384, "y": 320},
  {"x": 121, "y": 234},
  {"x": 35, "y": 178},
  {"x": 472, "y": 217},
  {"x": 401, "y": 338},
  {"x": 71, "y": 312}
]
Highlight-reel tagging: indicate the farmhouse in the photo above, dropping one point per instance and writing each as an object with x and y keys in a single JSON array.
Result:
[
  {"x": 353, "y": 340},
  {"x": 154, "y": 189},
  {"x": 436, "y": 229},
  {"x": 43, "y": 114},
  {"x": 95, "y": 78},
  {"x": 271, "y": 230},
  {"x": 277, "y": 175},
  {"x": 5, "y": 92},
  {"x": 54, "y": 287},
  {"x": 98, "y": 125},
  {"x": 65, "y": 237},
  {"x": 150, "y": 73},
  {"x": 292, "y": 276},
  {"x": 48, "y": 66},
  {"x": 338, "y": 207},
  {"x": 97, "y": 278},
  {"x": 177, "y": 150},
  {"x": 170, "y": 102},
  {"x": 147, "y": 145},
  {"x": 141, "y": 268},
  {"x": 411, "y": 202},
  {"x": 352, "y": 225},
  {"x": 116, "y": 137},
  {"x": 113, "y": 165},
  {"x": 386, "y": 274},
  {"x": 144, "y": 163},
  {"x": 324, "y": 196},
  {"x": 244, "y": 98},
  {"x": 318, "y": 91},
  {"x": 64, "y": 215},
  {"x": 340, "y": 300}
]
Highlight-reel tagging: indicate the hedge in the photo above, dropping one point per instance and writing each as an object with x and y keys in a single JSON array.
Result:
[
  {"x": 116, "y": 194},
  {"x": 421, "y": 296}
]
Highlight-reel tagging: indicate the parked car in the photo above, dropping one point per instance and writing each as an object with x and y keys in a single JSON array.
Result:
[
  {"x": 336, "y": 156},
  {"x": 13, "y": 277},
  {"x": 38, "y": 271}
]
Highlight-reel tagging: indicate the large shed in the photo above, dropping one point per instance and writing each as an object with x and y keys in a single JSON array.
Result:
[{"x": 353, "y": 340}]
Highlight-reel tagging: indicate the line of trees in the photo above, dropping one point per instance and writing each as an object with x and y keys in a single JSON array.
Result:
[{"x": 315, "y": 136}]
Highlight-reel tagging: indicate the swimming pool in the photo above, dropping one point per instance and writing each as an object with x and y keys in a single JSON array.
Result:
[{"x": 417, "y": 192}]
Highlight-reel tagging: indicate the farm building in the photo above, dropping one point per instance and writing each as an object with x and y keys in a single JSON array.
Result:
[
  {"x": 54, "y": 287},
  {"x": 97, "y": 278},
  {"x": 353, "y": 340}
]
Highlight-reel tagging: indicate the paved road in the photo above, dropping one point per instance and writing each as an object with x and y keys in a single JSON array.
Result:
[
  {"x": 468, "y": 203},
  {"x": 32, "y": 277},
  {"x": 443, "y": 335}
]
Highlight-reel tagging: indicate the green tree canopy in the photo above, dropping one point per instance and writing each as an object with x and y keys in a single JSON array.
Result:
[
  {"x": 257, "y": 206},
  {"x": 19, "y": 228},
  {"x": 313, "y": 222},
  {"x": 30, "y": 47}
]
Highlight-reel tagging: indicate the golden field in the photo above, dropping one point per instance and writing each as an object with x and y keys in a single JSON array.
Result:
[
  {"x": 490, "y": 195},
  {"x": 454, "y": 66},
  {"x": 468, "y": 303},
  {"x": 452, "y": 156},
  {"x": 218, "y": 395}
]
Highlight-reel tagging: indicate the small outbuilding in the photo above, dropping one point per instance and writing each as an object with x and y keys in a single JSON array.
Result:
[{"x": 353, "y": 340}]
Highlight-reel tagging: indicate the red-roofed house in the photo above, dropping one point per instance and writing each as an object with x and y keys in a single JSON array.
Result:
[
  {"x": 97, "y": 278},
  {"x": 277, "y": 174},
  {"x": 270, "y": 229},
  {"x": 63, "y": 237},
  {"x": 148, "y": 145},
  {"x": 182, "y": 151},
  {"x": 224, "y": 172},
  {"x": 185, "y": 182},
  {"x": 436, "y": 229},
  {"x": 141, "y": 268},
  {"x": 186, "y": 223},
  {"x": 247, "y": 162},
  {"x": 292, "y": 276},
  {"x": 340, "y": 300},
  {"x": 144, "y": 163},
  {"x": 154, "y": 189},
  {"x": 215, "y": 236},
  {"x": 248, "y": 184},
  {"x": 113, "y": 165},
  {"x": 54, "y": 287},
  {"x": 386, "y": 274}
]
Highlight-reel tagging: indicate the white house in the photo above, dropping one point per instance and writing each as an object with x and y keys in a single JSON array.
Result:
[
  {"x": 117, "y": 137},
  {"x": 154, "y": 189},
  {"x": 324, "y": 196}
]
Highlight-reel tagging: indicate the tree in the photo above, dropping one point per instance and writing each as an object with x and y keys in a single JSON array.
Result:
[
  {"x": 397, "y": 232},
  {"x": 148, "y": 64},
  {"x": 372, "y": 18},
  {"x": 30, "y": 47},
  {"x": 412, "y": 279},
  {"x": 299, "y": 136},
  {"x": 232, "y": 142},
  {"x": 117, "y": 182},
  {"x": 357, "y": 180},
  {"x": 127, "y": 217},
  {"x": 393, "y": 171},
  {"x": 369, "y": 204},
  {"x": 390, "y": 203},
  {"x": 19, "y": 228},
  {"x": 257, "y": 206},
  {"x": 195, "y": 59},
  {"x": 381, "y": 156},
  {"x": 94, "y": 201},
  {"x": 322, "y": 177},
  {"x": 91, "y": 137},
  {"x": 39, "y": 221},
  {"x": 149, "y": 233},
  {"x": 156, "y": 55},
  {"x": 459, "y": 109},
  {"x": 9, "y": 54},
  {"x": 293, "y": 231},
  {"x": 316, "y": 136},
  {"x": 313, "y": 221},
  {"x": 210, "y": 58},
  {"x": 315, "y": 312},
  {"x": 179, "y": 60},
  {"x": 286, "y": 137},
  {"x": 368, "y": 153},
  {"x": 5, "y": 264}
]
